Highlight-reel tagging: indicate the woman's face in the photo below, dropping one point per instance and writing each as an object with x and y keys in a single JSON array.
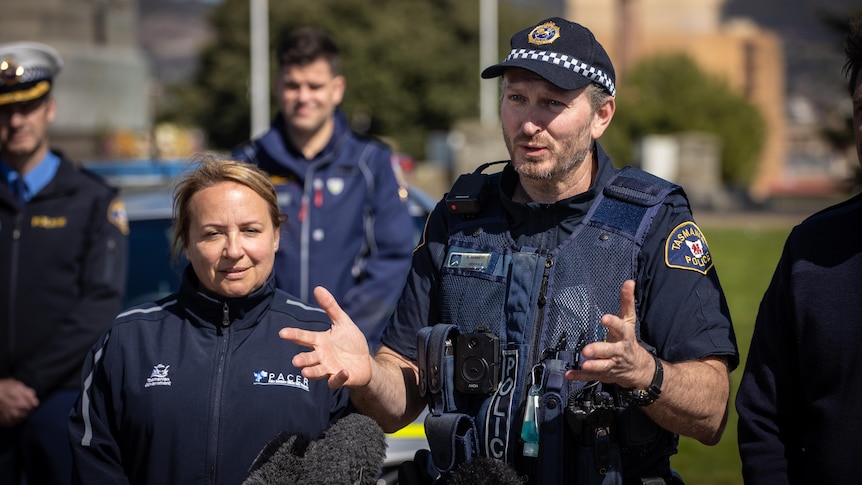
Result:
[{"x": 231, "y": 240}]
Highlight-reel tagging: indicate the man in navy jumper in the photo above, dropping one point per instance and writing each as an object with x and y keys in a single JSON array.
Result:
[
  {"x": 799, "y": 397},
  {"x": 347, "y": 227}
]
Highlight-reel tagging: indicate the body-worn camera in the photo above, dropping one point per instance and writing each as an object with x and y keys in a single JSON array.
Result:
[{"x": 477, "y": 362}]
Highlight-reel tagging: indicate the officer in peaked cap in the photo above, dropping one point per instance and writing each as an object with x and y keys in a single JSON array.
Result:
[
  {"x": 63, "y": 252},
  {"x": 27, "y": 71}
]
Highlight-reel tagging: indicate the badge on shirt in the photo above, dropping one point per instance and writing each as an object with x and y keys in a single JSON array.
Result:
[
  {"x": 687, "y": 249},
  {"x": 471, "y": 261},
  {"x": 335, "y": 185}
]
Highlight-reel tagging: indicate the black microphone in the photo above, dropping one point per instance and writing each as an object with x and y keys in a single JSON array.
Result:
[
  {"x": 351, "y": 451},
  {"x": 485, "y": 471},
  {"x": 279, "y": 462}
]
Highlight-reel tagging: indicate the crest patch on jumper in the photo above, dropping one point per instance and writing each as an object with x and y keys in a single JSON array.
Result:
[
  {"x": 543, "y": 34},
  {"x": 159, "y": 376},
  {"x": 686, "y": 248},
  {"x": 335, "y": 185}
]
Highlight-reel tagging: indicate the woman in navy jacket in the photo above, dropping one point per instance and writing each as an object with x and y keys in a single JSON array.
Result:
[{"x": 189, "y": 388}]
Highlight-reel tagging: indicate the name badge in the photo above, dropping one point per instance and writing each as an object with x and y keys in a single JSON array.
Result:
[{"x": 473, "y": 261}]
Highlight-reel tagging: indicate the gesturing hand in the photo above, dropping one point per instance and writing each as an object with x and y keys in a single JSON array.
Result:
[
  {"x": 339, "y": 354},
  {"x": 620, "y": 359}
]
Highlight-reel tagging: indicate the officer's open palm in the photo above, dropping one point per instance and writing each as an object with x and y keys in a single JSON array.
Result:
[
  {"x": 620, "y": 359},
  {"x": 339, "y": 354}
]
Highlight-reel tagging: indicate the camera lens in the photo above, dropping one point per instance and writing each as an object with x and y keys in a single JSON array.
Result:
[
  {"x": 472, "y": 343},
  {"x": 474, "y": 369}
]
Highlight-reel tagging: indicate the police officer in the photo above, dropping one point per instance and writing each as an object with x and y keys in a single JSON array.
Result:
[
  {"x": 63, "y": 269},
  {"x": 570, "y": 321},
  {"x": 347, "y": 222}
]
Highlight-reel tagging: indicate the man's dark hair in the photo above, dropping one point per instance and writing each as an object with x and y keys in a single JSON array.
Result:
[
  {"x": 306, "y": 45},
  {"x": 853, "y": 49}
]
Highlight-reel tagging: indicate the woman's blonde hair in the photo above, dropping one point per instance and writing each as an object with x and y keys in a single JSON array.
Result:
[{"x": 207, "y": 171}]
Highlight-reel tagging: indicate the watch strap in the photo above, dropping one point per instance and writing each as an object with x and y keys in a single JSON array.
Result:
[{"x": 645, "y": 397}]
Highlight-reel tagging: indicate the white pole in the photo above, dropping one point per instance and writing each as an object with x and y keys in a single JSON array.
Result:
[
  {"x": 259, "y": 82},
  {"x": 488, "y": 97}
]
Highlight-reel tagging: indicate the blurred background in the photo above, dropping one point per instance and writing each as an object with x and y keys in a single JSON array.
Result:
[{"x": 743, "y": 102}]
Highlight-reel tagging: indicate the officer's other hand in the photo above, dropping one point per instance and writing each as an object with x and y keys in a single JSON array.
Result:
[
  {"x": 17, "y": 400},
  {"x": 339, "y": 354},
  {"x": 620, "y": 359}
]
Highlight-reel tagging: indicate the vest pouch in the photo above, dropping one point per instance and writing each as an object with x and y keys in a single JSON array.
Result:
[
  {"x": 453, "y": 440},
  {"x": 591, "y": 418},
  {"x": 437, "y": 366}
]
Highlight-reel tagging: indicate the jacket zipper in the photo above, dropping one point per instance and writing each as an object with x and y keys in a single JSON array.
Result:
[
  {"x": 305, "y": 224},
  {"x": 221, "y": 355},
  {"x": 13, "y": 283}
]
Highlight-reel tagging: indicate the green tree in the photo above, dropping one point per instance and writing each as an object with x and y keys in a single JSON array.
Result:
[
  {"x": 669, "y": 94},
  {"x": 411, "y": 66}
]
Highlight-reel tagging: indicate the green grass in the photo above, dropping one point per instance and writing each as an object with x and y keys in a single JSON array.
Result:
[{"x": 745, "y": 256}]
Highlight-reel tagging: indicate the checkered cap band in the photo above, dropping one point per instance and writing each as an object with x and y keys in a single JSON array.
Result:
[
  {"x": 566, "y": 62},
  {"x": 30, "y": 74}
]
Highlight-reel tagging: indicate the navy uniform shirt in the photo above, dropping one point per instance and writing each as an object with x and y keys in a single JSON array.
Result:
[{"x": 681, "y": 307}]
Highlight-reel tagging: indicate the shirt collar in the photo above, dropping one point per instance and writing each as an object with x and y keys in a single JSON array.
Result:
[{"x": 37, "y": 178}]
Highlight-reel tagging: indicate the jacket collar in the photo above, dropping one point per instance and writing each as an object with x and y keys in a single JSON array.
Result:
[
  {"x": 207, "y": 309},
  {"x": 279, "y": 146}
]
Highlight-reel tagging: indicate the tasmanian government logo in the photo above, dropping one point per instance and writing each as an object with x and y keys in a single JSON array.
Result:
[
  {"x": 267, "y": 378},
  {"x": 686, "y": 248},
  {"x": 159, "y": 377}
]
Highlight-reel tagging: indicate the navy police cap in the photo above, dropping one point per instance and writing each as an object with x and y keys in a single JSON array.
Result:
[
  {"x": 27, "y": 70},
  {"x": 563, "y": 52}
]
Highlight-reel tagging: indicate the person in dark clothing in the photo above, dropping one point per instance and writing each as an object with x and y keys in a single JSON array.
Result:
[
  {"x": 568, "y": 322},
  {"x": 63, "y": 257},
  {"x": 189, "y": 388},
  {"x": 348, "y": 228},
  {"x": 799, "y": 395}
]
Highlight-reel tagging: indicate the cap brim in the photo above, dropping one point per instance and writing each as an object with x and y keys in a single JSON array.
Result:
[
  {"x": 25, "y": 92},
  {"x": 558, "y": 76}
]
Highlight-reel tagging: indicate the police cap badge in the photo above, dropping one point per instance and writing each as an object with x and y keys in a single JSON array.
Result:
[
  {"x": 27, "y": 70},
  {"x": 563, "y": 52}
]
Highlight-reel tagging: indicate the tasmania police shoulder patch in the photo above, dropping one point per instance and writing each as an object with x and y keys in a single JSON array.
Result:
[
  {"x": 117, "y": 216},
  {"x": 687, "y": 249}
]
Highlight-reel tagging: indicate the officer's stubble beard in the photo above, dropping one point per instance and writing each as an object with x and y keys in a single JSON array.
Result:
[{"x": 580, "y": 145}]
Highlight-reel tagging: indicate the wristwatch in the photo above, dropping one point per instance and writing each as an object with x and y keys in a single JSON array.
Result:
[{"x": 645, "y": 397}]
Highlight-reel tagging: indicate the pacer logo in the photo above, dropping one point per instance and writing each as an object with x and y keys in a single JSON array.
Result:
[
  {"x": 267, "y": 378},
  {"x": 687, "y": 249}
]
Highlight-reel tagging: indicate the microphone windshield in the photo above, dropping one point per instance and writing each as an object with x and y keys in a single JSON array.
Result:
[
  {"x": 485, "y": 471},
  {"x": 279, "y": 462},
  {"x": 351, "y": 451}
]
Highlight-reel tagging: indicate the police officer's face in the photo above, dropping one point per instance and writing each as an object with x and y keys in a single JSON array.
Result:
[
  {"x": 309, "y": 96},
  {"x": 548, "y": 131},
  {"x": 24, "y": 130},
  {"x": 231, "y": 240}
]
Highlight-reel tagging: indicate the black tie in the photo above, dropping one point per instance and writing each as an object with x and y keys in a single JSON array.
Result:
[{"x": 19, "y": 189}]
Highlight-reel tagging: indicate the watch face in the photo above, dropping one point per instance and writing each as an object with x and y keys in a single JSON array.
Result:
[{"x": 640, "y": 397}]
